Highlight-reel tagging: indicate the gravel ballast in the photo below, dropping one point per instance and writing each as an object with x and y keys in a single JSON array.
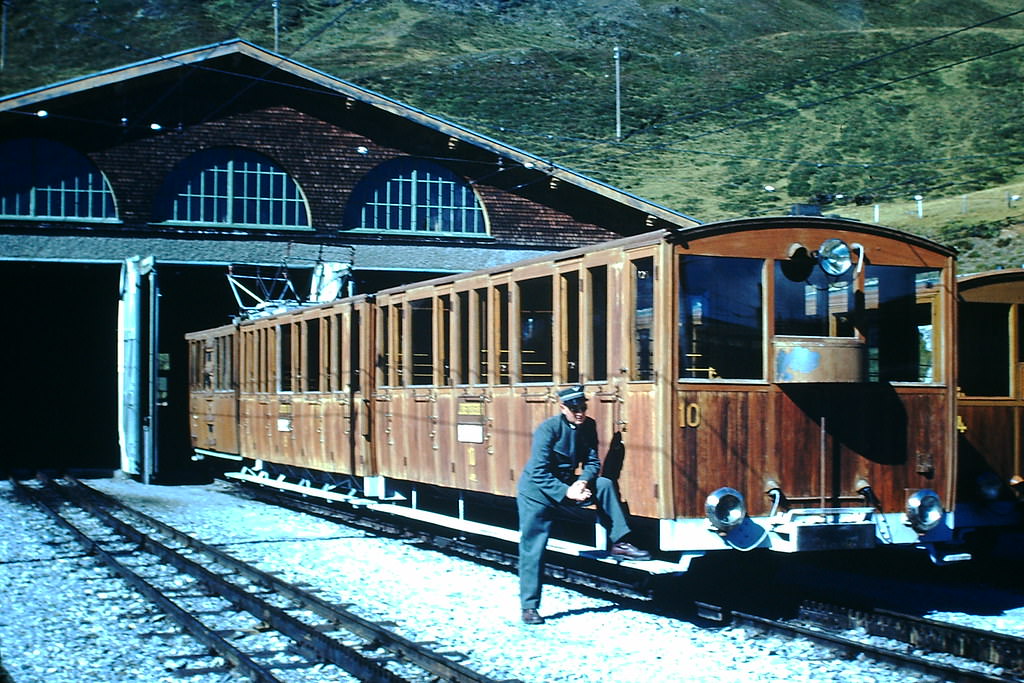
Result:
[{"x": 64, "y": 618}]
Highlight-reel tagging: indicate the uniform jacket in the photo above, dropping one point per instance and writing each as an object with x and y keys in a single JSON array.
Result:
[{"x": 559, "y": 448}]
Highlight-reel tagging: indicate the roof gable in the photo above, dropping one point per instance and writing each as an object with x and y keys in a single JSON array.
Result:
[{"x": 239, "y": 59}]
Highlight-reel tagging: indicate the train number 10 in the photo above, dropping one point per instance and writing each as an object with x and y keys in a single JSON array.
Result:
[{"x": 689, "y": 414}]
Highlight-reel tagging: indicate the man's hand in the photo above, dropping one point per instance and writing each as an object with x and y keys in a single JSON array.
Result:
[{"x": 578, "y": 491}]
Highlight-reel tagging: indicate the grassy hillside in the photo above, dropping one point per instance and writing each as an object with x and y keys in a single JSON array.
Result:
[{"x": 728, "y": 107}]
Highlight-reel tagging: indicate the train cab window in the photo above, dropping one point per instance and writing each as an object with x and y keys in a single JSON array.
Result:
[
  {"x": 284, "y": 358},
  {"x": 984, "y": 360},
  {"x": 643, "y": 319},
  {"x": 571, "y": 341},
  {"x": 897, "y": 323},
  {"x": 422, "y": 337},
  {"x": 818, "y": 305},
  {"x": 721, "y": 329},
  {"x": 535, "y": 328},
  {"x": 599, "y": 322},
  {"x": 312, "y": 354}
]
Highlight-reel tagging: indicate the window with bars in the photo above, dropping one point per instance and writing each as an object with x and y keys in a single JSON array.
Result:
[
  {"x": 232, "y": 187},
  {"x": 417, "y": 196},
  {"x": 45, "y": 179}
]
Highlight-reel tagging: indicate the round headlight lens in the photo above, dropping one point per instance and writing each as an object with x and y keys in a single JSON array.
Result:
[
  {"x": 725, "y": 508},
  {"x": 834, "y": 256},
  {"x": 924, "y": 510}
]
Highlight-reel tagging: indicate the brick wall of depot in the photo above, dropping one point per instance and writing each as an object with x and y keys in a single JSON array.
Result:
[{"x": 326, "y": 161}]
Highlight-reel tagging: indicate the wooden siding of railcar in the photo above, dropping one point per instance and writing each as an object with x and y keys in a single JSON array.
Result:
[
  {"x": 750, "y": 434},
  {"x": 416, "y": 425},
  {"x": 323, "y": 430},
  {"x": 213, "y": 413},
  {"x": 992, "y": 431},
  {"x": 894, "y": 439}
]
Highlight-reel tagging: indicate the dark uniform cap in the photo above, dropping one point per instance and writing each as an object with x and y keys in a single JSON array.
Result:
[{"x": 573, "y": 393}]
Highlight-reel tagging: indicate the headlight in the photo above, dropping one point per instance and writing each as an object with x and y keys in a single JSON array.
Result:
[
  {"x": 725, "y": 508},
  {"x": 834, "y": 256},
  {"x": 924, "y": 510}
]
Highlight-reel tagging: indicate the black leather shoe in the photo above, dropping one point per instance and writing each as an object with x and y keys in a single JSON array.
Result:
[
  {"x": 628, "y": 551},
  {"x": 530, "y": 616}
]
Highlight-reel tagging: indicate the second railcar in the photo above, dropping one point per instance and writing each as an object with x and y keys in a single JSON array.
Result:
[
  {"x": 782, "y": 383},
  {"x": 990, "y": 397}
]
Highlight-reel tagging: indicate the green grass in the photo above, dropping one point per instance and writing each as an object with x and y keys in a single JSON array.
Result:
[{"x": 719, "y": 98}]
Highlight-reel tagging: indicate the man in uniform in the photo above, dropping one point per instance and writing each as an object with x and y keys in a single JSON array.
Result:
[{"x": 561, "y": 445}]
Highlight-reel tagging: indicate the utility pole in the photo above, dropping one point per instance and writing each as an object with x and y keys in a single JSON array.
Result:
[
  {"x": 618, "y": 94},
  {"x": 276, "y": 4}
]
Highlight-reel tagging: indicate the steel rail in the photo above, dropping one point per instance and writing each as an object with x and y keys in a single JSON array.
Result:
[
  {"x": 435, "y": 663},
  {"x": 981, "y": 646},
  {"x": 306, "y": 636},
  {"x": 188, "y": 622},
  {"x": 848, "y": 645},
  {"x": 998, "y": 649}
]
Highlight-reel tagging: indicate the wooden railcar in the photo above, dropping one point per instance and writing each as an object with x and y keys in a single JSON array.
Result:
[
  {"x": 990, "y": 395},
  {"x": 783, "y": 383}
]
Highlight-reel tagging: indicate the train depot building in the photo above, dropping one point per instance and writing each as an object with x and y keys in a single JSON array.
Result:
[{"x": 161, "y": 197}]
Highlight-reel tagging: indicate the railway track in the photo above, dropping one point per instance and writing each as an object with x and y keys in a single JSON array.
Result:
[
  {"x": 906, "y": 655},
  {"x": 275, "y": 630},
  {"x": 913, "y": 643}
]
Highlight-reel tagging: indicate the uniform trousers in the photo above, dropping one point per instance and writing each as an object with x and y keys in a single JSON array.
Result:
[{"x": 535, "y": 519}]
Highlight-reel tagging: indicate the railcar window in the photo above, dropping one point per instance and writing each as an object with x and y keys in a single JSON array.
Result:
[
  {"x": 422, "y": 333},
  {"x": 465, "y": 322},
  {"x": 482, "y": 319},
  {"x": 227, "y": 366},
  {"x": 384, "y": 359},
  {"x": 46, "y": 179},
  {"x": 207, "y": 369},
  {"x": 413, "y": 195},
  {"x": 262, "y": 361},
  {"x": 284, "y": 357},
  {"x": 984, "y": 350},
  {"x": 355, "y": 351},
  {"x": 898, "y": 323},
  {"x": 313, "y": 354},
  {"x": 535, "y": 328},
  {"x": 501, "y": 292},
  {"x": 599, "y": 322},
  {"x": 445, "y": 351},
  {"x": 571, "y": 324},
  {"x": 643, "y": 319},
  {"x": 216, "y": 368},
  {"x": 721, "y": 329},
  {"x": 818, "y": 305}
]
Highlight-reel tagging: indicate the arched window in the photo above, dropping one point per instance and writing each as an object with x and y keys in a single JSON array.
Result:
[
  {"x": 412, "y": 195},
  {"x": 46, "y": 179},
  {"x": 232, "y": 187}
]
